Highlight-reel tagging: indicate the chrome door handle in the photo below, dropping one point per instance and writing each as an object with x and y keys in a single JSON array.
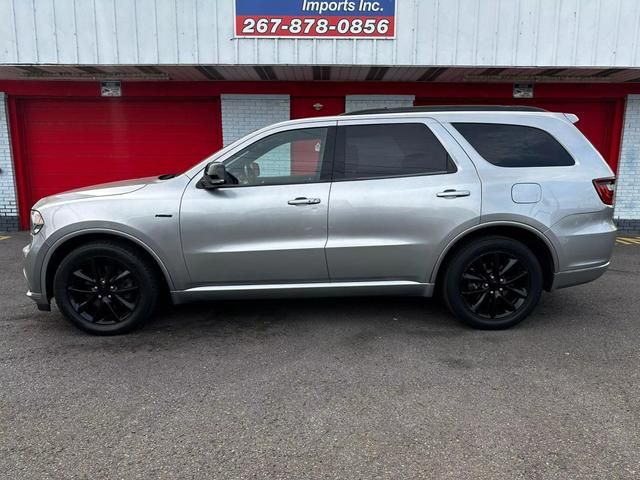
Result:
[
  {"x": 304, "y": 201},
  {"x": 453, "y": 193}
]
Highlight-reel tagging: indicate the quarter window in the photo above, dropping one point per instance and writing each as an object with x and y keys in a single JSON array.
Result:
[
  {"x": 514, "y": 145},
  {"x": 293, "y": 156},
  {"x": 389, "y": 150}
]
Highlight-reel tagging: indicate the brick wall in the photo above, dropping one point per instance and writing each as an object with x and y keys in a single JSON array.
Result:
[
  {"x": 627, "y": 209},
  {"x": 365, "y": 102},
  {"x": 243, "y": 114},
  {"x": 8, "y": 201}
]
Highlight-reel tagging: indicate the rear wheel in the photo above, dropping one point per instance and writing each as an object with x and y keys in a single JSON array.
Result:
[
  {"x": 106, "y": 288},
  {"x": 493, "y": 283}
]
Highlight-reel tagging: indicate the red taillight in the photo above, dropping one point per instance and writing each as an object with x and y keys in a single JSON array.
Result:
[{"x": 605, "y": 188}]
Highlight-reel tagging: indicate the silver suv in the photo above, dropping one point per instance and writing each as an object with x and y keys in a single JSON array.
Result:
[{"x": 488, "y": 206}]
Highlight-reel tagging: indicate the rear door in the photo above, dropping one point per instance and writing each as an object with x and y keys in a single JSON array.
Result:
[{"x": 398, "y": 196}]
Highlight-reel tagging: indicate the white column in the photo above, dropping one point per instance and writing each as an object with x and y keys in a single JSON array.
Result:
[
  {"x": 627, "y": 209},
  {"x": 243, "y": 114},
  {"x": 8, "y": 197}
]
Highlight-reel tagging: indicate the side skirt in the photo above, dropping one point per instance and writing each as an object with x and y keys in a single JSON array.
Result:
[{"x": 324, "y": 289}]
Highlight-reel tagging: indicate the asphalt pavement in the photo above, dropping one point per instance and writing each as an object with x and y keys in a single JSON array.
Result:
[{"x": 356, "y": 388}]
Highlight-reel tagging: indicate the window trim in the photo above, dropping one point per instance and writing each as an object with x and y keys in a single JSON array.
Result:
[
  {"x": 326, "y": 166},
  {"x": 340, "y": 153},
  {"x": 568, "y": 151}
]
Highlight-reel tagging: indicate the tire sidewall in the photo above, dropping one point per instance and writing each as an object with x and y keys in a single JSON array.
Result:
[
  {"x": 453, "y": 297},
  {"x": 144, "y": 275}
]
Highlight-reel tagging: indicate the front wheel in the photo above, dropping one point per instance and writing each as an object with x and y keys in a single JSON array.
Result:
[
  {"x": 493, "y": 283},
  {"x": 105, "y": 288}
]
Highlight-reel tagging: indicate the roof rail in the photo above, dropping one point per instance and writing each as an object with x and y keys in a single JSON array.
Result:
[{"x": 448, "y": 108}]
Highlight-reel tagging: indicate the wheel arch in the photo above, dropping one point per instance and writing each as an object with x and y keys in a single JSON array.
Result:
[
  {"x": 64, "y": 245},
  {"x": 533, "y": 238}
]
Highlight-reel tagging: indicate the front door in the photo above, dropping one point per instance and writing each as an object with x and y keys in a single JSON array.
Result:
[
  {"x": 398, "y": 197},
  {"x": 268, "y": 223}
]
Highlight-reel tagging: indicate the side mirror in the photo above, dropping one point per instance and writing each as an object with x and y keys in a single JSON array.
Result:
[{"x": 214, "y": 176}]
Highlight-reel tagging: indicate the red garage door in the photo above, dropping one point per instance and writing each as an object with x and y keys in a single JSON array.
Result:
[
  {"x": 597, "y": 118},
  {"x": 71, "y": 143}
]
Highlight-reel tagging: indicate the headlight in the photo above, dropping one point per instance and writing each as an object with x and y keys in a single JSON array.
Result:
[{"x": 37, "y": 222}]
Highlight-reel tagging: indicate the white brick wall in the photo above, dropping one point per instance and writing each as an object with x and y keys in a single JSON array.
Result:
[
  {"x": 627, "y": 209},
  {"x": 243, "y": 114},
  {"x": 366, "y": 102},
  {"x": 8, "y": 201}
]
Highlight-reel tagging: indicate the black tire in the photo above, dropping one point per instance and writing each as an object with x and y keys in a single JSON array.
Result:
[
  {"x": 481, "y": 291},
  {"x": 106, "y": 288}
]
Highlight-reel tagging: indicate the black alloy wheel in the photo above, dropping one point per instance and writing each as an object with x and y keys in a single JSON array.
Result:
[
  {"x": 493, "y": 283},
  {"x": 103, "y": 290},
  {"x": 106, "y": 288}
]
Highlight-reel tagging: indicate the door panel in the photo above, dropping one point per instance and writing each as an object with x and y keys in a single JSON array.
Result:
[
  {"x": 395, "y": 228},
  {"x": 238, "y": 235},
  {"x": 269, "y": 224}
]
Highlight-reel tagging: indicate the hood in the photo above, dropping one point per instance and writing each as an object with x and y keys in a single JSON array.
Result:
[{"x": 101, "y": 190}]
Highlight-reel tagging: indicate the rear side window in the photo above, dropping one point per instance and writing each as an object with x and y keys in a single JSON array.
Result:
[
  {"x": 389, "y": 150},
  {"x": 514, "y": 145}
]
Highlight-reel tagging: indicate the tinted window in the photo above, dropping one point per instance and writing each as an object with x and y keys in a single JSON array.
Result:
[
  {"x": 514, "y": 145},
  {"x": 294, "y": 156},
  {"x": 387, "y": 150}
]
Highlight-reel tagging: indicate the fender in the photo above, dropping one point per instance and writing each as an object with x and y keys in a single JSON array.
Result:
[
  {"x": 58, "y": 243},
  {"x": 497, "y": 223}
]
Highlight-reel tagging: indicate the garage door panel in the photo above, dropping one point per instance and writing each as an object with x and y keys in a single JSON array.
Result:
[{"x": 72, "y": 143}]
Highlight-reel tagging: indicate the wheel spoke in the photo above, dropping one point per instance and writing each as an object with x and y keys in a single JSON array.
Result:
[
  {"x": 472, "y": 277},
  {"x": 113, "y": 312},
  {"x": 496, "y": 264},
  {"x": 474, "y": 292},
  {"x": 522, "y": 293},
  {"x": 80, "y": 290},
  {"x": 479, "y": 302},
  {"x": 492, "y": 305},
  {"x": 511, "y": 305},
  {"x": 107, "y": 270},
  {"x": 129, "y": 305},
  {"x": 94, "y": 269},
  {"x": 81, "y": 307},
  {"x": 510, "y": 264},
  {"x": 517, "y": 277},
  {"x": 120, "y": 276},
  {"x": 79, "y": 274},
  {"x": 132, "y": 288}
]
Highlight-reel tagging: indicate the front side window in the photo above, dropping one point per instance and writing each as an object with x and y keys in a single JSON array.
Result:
[
  {"x": 293, "y": 156},
  {"x": 389, "y": 150},
  {"x": 514, "y": 145}
]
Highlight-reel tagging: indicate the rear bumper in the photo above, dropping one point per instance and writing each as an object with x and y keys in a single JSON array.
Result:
[{"x": 570, "y": 278}]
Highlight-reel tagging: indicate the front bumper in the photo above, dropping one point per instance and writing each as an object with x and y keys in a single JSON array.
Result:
[
  {"x": 42, "y": 303},
  {"x": 32, "y": 261}
]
